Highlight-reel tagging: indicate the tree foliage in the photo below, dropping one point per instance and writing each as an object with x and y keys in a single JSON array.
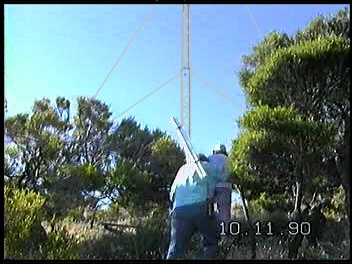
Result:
[
  {"x": 278, "y": 148},
  {"x": 86, "y": 159},
  {"x": 299, "y": 88},
  {"x": 25, "y": 237},
  {"x": 294, "y": 142}
]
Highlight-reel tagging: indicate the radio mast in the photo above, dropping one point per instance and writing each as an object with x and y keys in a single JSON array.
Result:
[{"x": 186, "y": 71}]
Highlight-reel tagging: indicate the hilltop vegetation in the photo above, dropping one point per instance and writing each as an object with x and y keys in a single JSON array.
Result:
[{"x": 83, "y": 187}]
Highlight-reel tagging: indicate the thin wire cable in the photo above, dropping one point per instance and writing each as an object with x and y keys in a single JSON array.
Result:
[
  {"x": 129, "y": 43},
  {"x": 228, "y": 98},
  {"x": 254, "y": 20},
  {"x": 145, "y": 97}
]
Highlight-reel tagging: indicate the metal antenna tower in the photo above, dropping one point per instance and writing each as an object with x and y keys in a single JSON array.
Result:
[{"x": 186, "y": 71}]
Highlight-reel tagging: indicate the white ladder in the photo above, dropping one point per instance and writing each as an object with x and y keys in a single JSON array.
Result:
[{"x": 191, "y": 156}]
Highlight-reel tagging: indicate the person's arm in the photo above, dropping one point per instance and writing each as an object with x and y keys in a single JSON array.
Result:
[
  {"x": 226, "y": 174},
  {"x": 175, "y": 182},
  {"x": 232, "y": 178},
  {"x": 172, "y": 191},
  {"x": 213, "y": 178}
]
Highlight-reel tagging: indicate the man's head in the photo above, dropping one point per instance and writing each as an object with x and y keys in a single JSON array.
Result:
[{"x": 219, "y": 149}]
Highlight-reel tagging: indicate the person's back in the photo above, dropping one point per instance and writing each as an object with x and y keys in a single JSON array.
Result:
[
  {"x": 223, "y": 189},
  {"x": 190, "y": 195},
  {"x": 220, "y": 161},
  {"x": 189, "y": 188}
]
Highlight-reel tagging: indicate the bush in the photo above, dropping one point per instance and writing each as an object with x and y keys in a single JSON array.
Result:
[
  {"x": 150, "y": 240},
  {"x": 60, "y": 245},
  {"x": 147, "y": 240},
  {"x": 75, "y": 214},
  {"x": 22, "y": 214},
  {"x": 336, "y": 209},
  {"x": 24, "y": 235}
]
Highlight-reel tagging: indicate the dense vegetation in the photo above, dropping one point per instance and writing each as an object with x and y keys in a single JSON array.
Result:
[{"x": 290, "y": 163}]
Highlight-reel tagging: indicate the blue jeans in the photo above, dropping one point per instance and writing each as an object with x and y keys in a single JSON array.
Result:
[
  {"x": 185, "y": 221},
  {"x": 222, "y": 199}
]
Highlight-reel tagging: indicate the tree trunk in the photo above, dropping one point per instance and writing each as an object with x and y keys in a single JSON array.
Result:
[
  {"x": 92, "y": 220},
  {"x": 313, "y": 199},
  {"x": 347, "y": 203},
  {"x": 95, "y": 209},
  {"x": 244, "y": 205},
  {"x": 251, "y": 230},
  {"x": 346, "y": 174},
  {"x": 343, "y": 168},
  {"x": 295, "y": 242},
  {"x": 299, "y": 197}
]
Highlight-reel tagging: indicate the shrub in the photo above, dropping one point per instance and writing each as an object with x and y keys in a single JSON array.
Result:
[
  {"x": 147, "y": 240},
  {"x": 60, "y": 245},
  {"x": 336, "y": 209},
  {"x": 22, "y": 214},
  {"x": 24, "y": 235}
]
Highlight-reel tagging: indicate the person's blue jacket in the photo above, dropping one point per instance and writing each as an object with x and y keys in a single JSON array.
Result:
[{"x": 188, "y": 188}]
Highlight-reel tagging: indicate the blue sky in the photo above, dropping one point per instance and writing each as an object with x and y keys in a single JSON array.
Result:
[{"x": 68, "y": 50}]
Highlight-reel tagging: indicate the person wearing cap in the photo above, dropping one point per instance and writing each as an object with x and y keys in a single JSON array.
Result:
[
  {"x": 223, "y": 189},
  {"x": 190, "y": 211}
]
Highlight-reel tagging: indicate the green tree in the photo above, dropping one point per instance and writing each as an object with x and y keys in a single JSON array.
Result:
[
  {"x": 280, "y": 150},
  {"x": 88, "y": 160},
  {"x": 36, "y": 146},
  {"x": 146, "y": 163},
  {"x": 92, "y": 152},
  {"x": 309, "y": 70}
]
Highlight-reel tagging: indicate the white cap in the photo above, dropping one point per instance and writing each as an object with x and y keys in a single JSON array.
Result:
[{"x": 219, "y": 148}]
